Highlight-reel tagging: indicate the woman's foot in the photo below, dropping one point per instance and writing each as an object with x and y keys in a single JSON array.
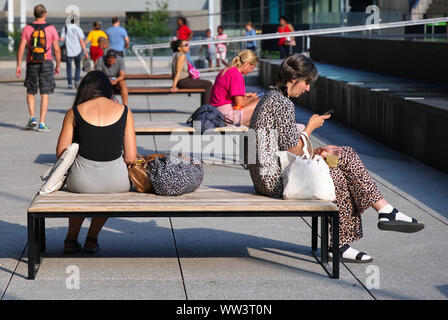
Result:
[
  {"x": 390, "y": 219},
  {"x": 71, "y": 246},
  {"x": 91, "y": 245},
  {"x": 350, "y": 255}
]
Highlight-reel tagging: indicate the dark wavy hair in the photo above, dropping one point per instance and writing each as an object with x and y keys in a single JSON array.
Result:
[
  {"x": 296, "y": 67},
  {"x": 94, "y": 85},
  {"x": 175, "y": 44}
]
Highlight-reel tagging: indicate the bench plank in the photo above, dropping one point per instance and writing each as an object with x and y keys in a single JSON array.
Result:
[
  {"x": 145, "y": 76},
  {"x": 162, "y": 90},
  {"x": 206, "y": 199},
  {"x": 155, "y": 127}
]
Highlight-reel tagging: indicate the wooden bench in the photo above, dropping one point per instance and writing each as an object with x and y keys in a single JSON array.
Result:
[
  {"x": 156, "y": 128},
  {"x": 145, "y": 76},
  {"x": 207, "y": 201},
  {"x": 165, "y": 90}
]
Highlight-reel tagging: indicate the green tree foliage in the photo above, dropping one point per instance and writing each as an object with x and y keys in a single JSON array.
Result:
[{"x": 152, "y": 24}]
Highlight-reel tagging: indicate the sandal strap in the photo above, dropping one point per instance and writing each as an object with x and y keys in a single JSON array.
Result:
[
  {"x": 344, "y": 248},
  {"x": 94, "y": 240},
  {"x": 360, "y": 255},
  {"x": 70, "y": 241},
  {"x": 389, "y": 216}
]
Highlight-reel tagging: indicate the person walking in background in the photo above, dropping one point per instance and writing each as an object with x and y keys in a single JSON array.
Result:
[
  {"x": 39, "y": 37},
  {"x": 229, "y": 88},
  {"x": 209, "y": 48},
  {"x": 250, "y": 32},
  {"x": 221, "y": 48},
  {"x": 93, "y": 36},
  {"x": 114, "y": 67},
  {"x": 74, "y": 42},
  {"x": 179, "y": 71},
  {"x": 118, "y": 37},
  {"x": 284, "y": 44},
  {"x": 183, "y": 32}
]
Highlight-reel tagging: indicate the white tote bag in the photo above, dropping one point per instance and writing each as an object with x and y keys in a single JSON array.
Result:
[
  {"x": 54, "y": 177},
  {"x": 307, "y": 177}
]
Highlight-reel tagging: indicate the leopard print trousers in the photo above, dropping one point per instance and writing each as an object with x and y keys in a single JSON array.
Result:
[{"x": 355, "y": 192}]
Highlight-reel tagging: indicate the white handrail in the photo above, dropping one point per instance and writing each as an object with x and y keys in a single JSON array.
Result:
[{"x": 303, "y": 33}]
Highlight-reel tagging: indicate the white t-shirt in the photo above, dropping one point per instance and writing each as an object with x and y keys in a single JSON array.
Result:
[{"x": 74, "y": 34}]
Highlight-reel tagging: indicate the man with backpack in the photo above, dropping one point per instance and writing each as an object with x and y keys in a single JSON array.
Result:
[{"x": 39, "y": 37}]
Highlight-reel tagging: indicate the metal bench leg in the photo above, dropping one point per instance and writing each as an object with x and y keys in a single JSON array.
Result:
[
  {"x": 33, "y": 246},
  {"x": 335, "y": 245},
  {"x": 42, "y": 234},
  {"x": 314, "y": 222},
  {"x": 203, "y": 99},
  {"x": 324, "y": 239}
]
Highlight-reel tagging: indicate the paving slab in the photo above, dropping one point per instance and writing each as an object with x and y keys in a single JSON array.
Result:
[
  {"x": 255, "y": 258},
  {"x": 136, "y": 260}
]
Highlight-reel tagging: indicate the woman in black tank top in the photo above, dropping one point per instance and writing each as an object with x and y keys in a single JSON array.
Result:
[{"x": 104, "y": 151}]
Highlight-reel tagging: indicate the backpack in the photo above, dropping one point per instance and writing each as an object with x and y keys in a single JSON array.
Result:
[
  {"x": 209, "y": 117},
  {"x": 38, "y": 46}
]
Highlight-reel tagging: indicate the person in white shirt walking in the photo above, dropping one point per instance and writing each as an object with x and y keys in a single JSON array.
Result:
[{"x": 74, "y": 42}]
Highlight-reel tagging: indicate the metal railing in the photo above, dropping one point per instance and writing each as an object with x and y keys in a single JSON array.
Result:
[{"x": 270, "y": 36}]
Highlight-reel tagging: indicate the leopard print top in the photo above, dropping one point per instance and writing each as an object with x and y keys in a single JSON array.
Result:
[{"x": 275, "y": 129}]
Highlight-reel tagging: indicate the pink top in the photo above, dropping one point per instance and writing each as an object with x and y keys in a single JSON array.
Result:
[
  {"x": 221, "y": 46},
  {"x": 50, "y": 33},
  {"x": 227, "y": 86}
]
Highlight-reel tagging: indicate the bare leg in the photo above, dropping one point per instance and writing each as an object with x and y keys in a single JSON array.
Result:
[
  {"x": 74, "y": 226},
  {"x": 380, "y": 204},
  {"x": 247, "y": 112},
  {"x": 95, "y": 227},
  {"x": 43, "y": 107},
  {"x": 31, "y": 101}
]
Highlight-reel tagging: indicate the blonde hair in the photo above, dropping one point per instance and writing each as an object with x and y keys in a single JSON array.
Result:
[{"x": 243, "y": 57}]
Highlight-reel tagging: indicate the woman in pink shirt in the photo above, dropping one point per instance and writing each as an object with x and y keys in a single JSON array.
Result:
[{"x": 229, "y": 88}]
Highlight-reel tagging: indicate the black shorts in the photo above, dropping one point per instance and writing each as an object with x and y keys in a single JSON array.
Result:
[{"x": 40, "y": 76}]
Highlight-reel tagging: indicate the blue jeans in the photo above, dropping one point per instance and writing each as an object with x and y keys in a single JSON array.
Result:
[{"x": 77, "y": 61}]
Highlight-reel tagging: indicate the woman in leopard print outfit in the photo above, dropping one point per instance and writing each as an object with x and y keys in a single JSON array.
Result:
[{"x": 275, "y": 129}]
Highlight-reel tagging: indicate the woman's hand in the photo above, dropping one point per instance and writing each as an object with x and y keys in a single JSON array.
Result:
[
  {"x": 316, "y": 121},
  {"x": 173, "y": 89},
  {"x": 323, "y": 151}
]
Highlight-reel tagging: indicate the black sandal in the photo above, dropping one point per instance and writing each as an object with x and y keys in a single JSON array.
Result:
[
  {"x": 345, "y": 247},
  {"x": 74, "y": 246},
  {"x": 398, "y": 225},
  {"x": 92, "y": 249}
]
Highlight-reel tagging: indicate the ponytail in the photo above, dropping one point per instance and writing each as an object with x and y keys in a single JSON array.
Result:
[{"x": 243, "y": 57}]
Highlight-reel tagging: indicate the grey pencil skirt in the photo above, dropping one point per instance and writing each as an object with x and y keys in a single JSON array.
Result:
[{"x": 87, "y": 176}]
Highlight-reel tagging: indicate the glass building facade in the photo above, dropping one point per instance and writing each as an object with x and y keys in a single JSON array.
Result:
[{"x": 262, "y": 12}]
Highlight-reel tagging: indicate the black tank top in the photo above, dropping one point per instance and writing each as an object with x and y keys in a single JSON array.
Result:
[{"x": 99, "y": 143}]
